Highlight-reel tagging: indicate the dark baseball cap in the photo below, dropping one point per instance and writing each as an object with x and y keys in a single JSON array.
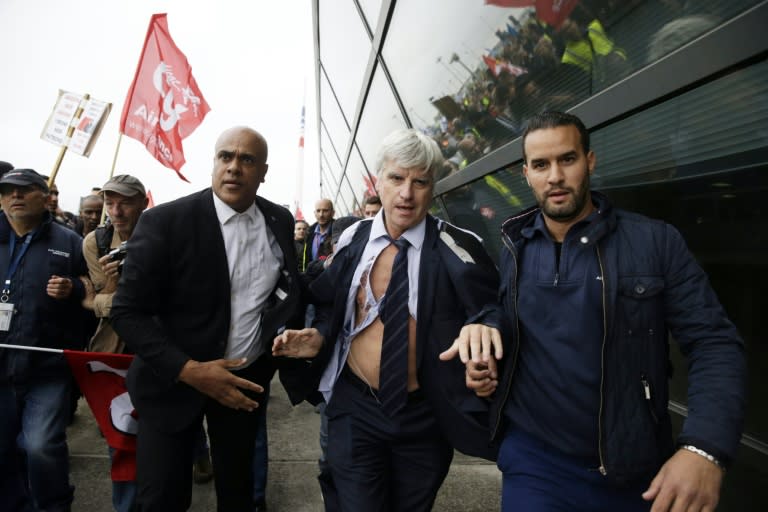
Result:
[
  {"x": 125, "y": 185},
  {"x": 24, "y": 177}
]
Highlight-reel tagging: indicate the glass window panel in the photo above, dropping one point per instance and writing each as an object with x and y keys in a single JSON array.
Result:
[
  {"x": 371, "y": 10},
  {"x": 332, "y": 117},
  {"x": 489, "y": 71},
  {"x": 344, "y": 50},
  {"x": 380, "y": 117},
  {"x": 482, "y": 205},
  {"x": 361, "y": 183},
  {"x": 330, "y": 151},
  {"x": 346, "y": 204},
  {"x": 674, "y": 139}
]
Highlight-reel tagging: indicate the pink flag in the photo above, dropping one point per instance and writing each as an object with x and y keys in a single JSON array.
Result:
[
  {"x": 164, "y": 104},
  {"x": 101, "y": 377}
]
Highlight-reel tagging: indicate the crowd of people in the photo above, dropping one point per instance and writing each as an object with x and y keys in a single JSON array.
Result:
[
  {"x": 536, "y": 66},
  {"x": 396, "y": 324}
]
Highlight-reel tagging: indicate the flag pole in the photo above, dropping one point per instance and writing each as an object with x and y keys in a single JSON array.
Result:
[
  {"x": 111, "y": 174},
  {"x": 37, "y": 349},
  {"x": 70, "y": 131}
]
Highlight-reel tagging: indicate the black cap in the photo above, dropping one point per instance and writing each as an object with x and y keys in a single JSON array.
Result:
[
  {"x": 5, "y": 167},
  {"x": 24, "y": 177}
]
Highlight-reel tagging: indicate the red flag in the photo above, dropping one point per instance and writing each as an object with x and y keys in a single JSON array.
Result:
[
  {"x": 164, "y": 104},
  {"x": 101, "y": 377},
  {"x": 553, "y": 12},
  {"x": 299, "y": 215}
]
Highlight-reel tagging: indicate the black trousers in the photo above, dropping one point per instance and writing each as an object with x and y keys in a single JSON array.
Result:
[
  {"x": 383, "y": 464},
  {"x": 164, "y": 460}
]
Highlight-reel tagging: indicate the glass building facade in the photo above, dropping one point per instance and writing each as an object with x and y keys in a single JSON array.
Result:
[{"x": 674, "y": 92}]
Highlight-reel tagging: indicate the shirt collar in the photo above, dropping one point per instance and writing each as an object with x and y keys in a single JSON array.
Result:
[
  {"x": 225, "y": 213},
  {"x": 414, "y": 235}
]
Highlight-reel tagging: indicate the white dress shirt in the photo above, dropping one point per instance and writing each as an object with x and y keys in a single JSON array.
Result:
[
  {"x": 255, "y": 259},
  {"x": 377, "y": 242}
]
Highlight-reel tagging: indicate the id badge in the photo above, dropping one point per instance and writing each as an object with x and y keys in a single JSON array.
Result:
[{"x": 6, "y": 313}]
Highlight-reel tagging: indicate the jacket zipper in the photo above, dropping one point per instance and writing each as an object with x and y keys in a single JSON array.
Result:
[
  {"x": 507, "y": 391},
  {"x": 603, "y": 471},
  {"x": 647, "y": 393}
]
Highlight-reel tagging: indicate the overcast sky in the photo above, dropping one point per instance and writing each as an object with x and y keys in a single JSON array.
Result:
[{"x": 253, "y": 62}]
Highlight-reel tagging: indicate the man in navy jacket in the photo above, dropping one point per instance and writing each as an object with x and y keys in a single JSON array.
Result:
[
  {"x": 380, "y": 458},
  {"x": 589, "y": 294},
  {"x": 41, "y": 262}
]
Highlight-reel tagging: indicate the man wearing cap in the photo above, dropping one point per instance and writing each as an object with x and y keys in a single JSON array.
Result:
[
  {"x": 41, "y": 262},
  {"x": 125, "y": 199}
]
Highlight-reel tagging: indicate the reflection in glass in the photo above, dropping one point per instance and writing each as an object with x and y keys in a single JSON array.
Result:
[
  {"x": 380, "y": 117},
  {"x": 361, "y": 182},
  {"x": 344, "y": 50},
  {"x": 482, "y": 205},
  {"x": 488, "y": 69}
]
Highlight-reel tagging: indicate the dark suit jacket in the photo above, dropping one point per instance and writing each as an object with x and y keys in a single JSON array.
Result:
[
  {"x": 173, "y": 301},
  {"x": 451, "y": 292}
]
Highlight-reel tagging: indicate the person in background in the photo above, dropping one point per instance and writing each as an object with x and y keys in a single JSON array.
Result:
[
  {"x": 371, "y": 207},
  {"x": 592, "y": 295},
  {"x": 42, "y": 263},
  {"x": 208, "y": 281},
  {"x": 64, "y": 218},
  {"x": 319, "y": 237},
  {"x": 300, "y": 230},
  {"x": 104, "y": 253},
  {"x": 89, "y": 215},
  {"x": 397, "y": 292}
]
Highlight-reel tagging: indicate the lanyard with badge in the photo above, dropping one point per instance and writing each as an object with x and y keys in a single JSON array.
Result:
[{"x": 6, "y": 308}]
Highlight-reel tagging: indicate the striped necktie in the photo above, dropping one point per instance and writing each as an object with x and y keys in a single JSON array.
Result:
[{"x": 393, "y": 373}]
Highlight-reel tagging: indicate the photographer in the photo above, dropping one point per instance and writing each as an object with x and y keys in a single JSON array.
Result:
[{"x": 105, "y": 249}]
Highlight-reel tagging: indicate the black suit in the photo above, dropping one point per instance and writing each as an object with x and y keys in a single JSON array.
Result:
[
  {"x": 451, "y": 291},
  {"x": 173, "y": 305}
]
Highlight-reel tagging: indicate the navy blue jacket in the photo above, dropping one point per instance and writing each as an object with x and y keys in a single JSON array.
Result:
[
  {"x": 450, "y": 293},
  {"x": 652, "y": 287},
  {"x": 39, "y": 320}
]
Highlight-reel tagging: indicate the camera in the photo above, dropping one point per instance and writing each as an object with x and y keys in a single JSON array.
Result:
[{"x": 119, "y": 253}]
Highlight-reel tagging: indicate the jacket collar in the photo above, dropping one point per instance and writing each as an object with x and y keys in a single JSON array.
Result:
[
  {"x": 42, "y": 229},
  {"x": 526, "y": 222}
]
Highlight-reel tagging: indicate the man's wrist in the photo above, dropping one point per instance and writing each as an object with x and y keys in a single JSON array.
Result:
[{"x": 698, "y": 451}]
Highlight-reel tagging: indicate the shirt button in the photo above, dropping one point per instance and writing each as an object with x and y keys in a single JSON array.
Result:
[{"x": 584, "y": 240}]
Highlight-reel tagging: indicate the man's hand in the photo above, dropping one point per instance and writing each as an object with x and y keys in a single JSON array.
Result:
[
  {"x": 482, "y": 377},
  {"x": 687, "y": 482},
  {"x": 477, "y": 342},
  {"x": 111, "y": 271},
  {"x": 214, "y": 379},
  {"x": 59, "y": 287},
  {"x": 303, "y": 343}
]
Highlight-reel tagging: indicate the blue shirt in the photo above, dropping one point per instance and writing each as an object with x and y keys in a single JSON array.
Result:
[{"x": 556, "y": 390}]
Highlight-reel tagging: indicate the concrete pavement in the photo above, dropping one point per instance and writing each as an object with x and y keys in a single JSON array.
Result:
[{"x": 472, "y": 485}]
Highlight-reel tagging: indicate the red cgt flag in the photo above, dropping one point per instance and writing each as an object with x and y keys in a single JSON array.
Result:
[
  {"x": 101, "y": 377},
  {"x": 164, "y": 104},
  {"x": 554, "y": 12}
]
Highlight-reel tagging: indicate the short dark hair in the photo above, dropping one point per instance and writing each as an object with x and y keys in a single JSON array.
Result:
[
  {"x": 372, "y": 200},
  {"x": 554, "y": 119},
  {"x": 302, "y": 221}
]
